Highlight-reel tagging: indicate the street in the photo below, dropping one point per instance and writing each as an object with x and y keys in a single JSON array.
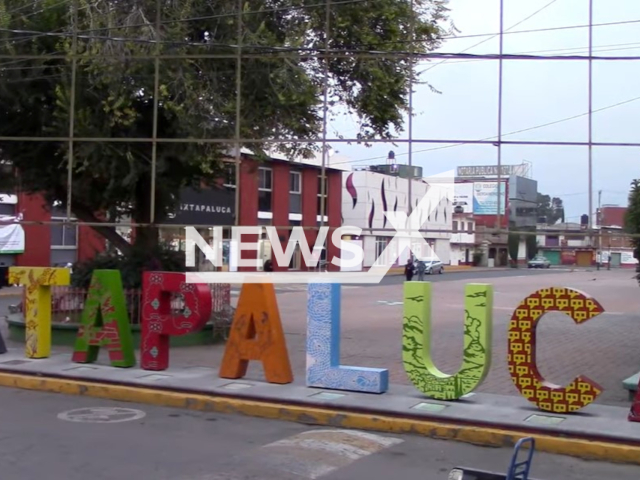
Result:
[{"x": 55, "y": 436}]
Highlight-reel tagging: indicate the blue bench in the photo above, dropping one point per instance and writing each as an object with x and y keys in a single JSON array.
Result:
[{"x": 631, "y": 384}]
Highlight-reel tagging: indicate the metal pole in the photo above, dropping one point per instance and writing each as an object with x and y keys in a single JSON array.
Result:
[
  {"x": 72, "y": 107},
  {"x": 500, "y": 69},
  {"x": 590, "y": 118},
  {"x": 238, "y": 110},
  {"x": 156, "y": 92},
  {"x": 410, "y": 122},
  {"x": 325, "y": 119}
]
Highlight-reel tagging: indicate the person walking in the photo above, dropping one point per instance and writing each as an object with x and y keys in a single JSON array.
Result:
[
  {"x": 421, "y": 268},
  {"x": 408, "y": 269}
]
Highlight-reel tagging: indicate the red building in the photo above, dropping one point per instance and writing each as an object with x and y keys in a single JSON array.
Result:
[
  {"x": 46, "y": 244},
  {"x": 281, "y": 193}
]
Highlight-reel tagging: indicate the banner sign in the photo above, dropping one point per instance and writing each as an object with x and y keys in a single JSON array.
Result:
[
  {"x": 11, "y": 239},
  {"x": 485, "y": 198},
  {"x": 491, "y": 170},
  {"x": 211, "y": 206},
  {"x": 463, "y": 198}
]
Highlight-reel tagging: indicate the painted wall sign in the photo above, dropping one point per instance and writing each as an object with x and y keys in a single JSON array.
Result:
[
  {"x": 37, "y": 284},
  {"x": 522, "y": 349},
  {"x": 416, "y": 342},
  {"x": 323, "y": 347},
  {"x": 105, "y": 322},
  {"x": 208, "y": 206},
  {"x": 257, "y": 334}
]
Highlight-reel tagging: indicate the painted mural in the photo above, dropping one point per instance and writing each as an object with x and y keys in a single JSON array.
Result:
[{"x": 367, "y": 195}]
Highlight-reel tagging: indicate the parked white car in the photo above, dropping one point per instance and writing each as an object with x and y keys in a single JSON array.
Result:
[{"x": 433, "y": 265}]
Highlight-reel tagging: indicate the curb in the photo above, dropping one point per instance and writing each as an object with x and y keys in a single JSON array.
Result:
[{"x": 326, "y": 416}]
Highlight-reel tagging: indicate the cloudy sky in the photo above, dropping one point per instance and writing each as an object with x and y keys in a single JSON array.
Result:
[{"x": 535, "y": 93}]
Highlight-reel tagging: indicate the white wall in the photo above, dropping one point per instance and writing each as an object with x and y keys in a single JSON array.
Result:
[
  {"x": 367, "y": 195},
  {"x": 364, "y": 200},
  {"x": 522, "y": 250}
]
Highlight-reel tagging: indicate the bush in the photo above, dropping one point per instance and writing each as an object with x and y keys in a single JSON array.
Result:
[{"x": 130, "y": 266}]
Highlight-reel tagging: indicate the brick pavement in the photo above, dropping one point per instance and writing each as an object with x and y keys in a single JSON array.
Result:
[{"x": 607, "y": 348}]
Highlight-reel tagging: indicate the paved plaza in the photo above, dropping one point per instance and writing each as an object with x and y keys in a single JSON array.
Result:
[{"x": 606, "y": 349}]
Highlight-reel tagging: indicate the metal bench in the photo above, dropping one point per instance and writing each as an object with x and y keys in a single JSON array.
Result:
[{"x": 631, "y": 384}]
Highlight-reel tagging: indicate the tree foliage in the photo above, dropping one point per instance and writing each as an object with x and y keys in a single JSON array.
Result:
[
  {"x": 552, "y": 209},
  {"x": 513, "y": 243},
  {"x": 632, "y": 220},
  {"x": 281, "y": 89},
  {"x": 531, "y": 243}
]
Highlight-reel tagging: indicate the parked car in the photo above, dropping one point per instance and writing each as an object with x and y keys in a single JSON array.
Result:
[
  {"x": 539, "y": 262},
  {"x": 433, "y": 265}
]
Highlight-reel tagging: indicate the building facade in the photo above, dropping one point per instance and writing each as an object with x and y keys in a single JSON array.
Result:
[
  {"x": 48, "y": 244},
  {"x": 275, "y": 192},
  {"x": 613, "y": 245},
  {"x": 366, "y": 195}
]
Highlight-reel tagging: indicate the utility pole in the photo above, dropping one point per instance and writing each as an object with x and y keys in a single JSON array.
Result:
[{"x": 599, "y": 230}]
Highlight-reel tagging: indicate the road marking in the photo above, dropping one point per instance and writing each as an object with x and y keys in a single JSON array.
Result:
[
  {"x": 385, "y": 302},
  {"x": 317, "y": 453},
  {"x": 102, "y": 415}
]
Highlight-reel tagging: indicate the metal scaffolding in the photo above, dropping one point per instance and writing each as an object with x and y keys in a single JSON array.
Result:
[{"x": 322, "y": 55}]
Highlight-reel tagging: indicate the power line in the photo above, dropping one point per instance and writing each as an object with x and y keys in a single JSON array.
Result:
[
  {"x": 492, "y": 37},
  {"x": 300, "y": 53},
  {"x": 504, "y": 135}
]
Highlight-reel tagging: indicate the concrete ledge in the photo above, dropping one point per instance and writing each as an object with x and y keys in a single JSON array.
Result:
[{"x": 597, "y": 433}]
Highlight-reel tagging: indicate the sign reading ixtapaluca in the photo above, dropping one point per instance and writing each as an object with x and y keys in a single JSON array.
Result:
[{"x": 407, "y": 237}]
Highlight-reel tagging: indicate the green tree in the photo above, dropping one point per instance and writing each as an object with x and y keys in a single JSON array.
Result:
[
  {"x": 513, "y": 243},
  {"x": 281, "y": 89},
  {"x": 552, "y": 209},
  {"x": 531, "y": 243},
  {"x": 632, "y": 220}
]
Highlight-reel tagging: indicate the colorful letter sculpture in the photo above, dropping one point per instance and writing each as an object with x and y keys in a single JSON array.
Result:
[
  {"x": 522, "y": 349},
  {"x": 105, "y": 322},
  {"x": 323, "y": 347},
  {"x": 416, "y": 342},
  {"x": 160, "y": 321},
  {"x": 634, "y": 413},
  {"x": 37, "y": 304},
  {"x": 256, "y": 334}
]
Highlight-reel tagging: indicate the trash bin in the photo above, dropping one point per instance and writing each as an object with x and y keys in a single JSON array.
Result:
[{"x": 491, "y": 262}]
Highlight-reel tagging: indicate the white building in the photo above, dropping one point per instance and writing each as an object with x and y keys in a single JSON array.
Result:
[
  {"x": 366, "y": 195},
  {"x": 463, "y": 239}
]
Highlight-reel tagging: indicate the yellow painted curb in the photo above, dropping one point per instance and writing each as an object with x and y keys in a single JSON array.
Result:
[{"x": 479, "y": 435}]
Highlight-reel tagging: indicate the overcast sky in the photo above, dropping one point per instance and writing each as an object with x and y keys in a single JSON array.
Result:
[{"x": 535, "y": 93}]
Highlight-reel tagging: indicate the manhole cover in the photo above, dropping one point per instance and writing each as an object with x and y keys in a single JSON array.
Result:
[{"x": 101, "y": 415}]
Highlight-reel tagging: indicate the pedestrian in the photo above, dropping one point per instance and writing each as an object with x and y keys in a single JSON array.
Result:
[
  {"x": 408, "y": 269},
  {"x": 421, "y": 268}
]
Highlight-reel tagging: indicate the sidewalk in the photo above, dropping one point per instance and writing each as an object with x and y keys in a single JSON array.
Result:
[
  {"x": 597, "y": 433},
  {"x": 17, "y": 291}
]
